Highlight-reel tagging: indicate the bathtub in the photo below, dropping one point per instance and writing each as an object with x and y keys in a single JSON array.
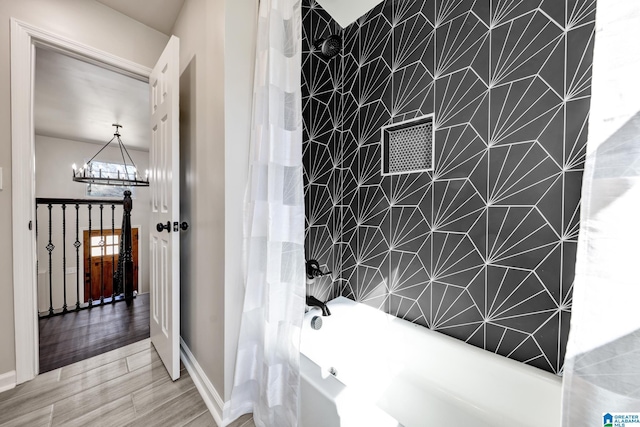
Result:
[{"x": 366, "y": 368}]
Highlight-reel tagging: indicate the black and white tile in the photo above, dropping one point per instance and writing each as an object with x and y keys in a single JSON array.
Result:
[{"x": 483, "y": 247}]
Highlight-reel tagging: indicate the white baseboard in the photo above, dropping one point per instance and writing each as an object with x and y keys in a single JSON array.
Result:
[
  {"x": 7, "y": 381},
  {"x": 208, "y": 392}
]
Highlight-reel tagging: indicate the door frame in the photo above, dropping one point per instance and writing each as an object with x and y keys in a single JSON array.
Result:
[{"x": 24, "y": 39}]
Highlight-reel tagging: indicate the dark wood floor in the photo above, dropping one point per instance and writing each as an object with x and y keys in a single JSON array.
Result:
[{"x": 77, "y": 336}]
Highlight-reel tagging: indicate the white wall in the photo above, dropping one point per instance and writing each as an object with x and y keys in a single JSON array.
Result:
[
  {"x": 54, "y": 158},
  {"x": 87, "y": 22}
]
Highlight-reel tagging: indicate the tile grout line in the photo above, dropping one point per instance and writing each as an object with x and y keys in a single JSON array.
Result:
[
  {"x": 81, "y": 391},
  {"x": 193, "y": 418},
  {"x": 159, "y": 404},
  {"x": 70, "y": 380},
  {"x": 101, "y": 384},
  {"x": 97, "y": 356},
  {"x": 51, "y": 415},
  {"x": 143, "y": 414},
  {"x": 164, "y": 402},
  {"x": 135, "y": 411},
  {"x": 126, "y": 362}
]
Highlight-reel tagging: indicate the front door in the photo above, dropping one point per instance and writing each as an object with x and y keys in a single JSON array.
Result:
[
  {"x": 165, "y": 208},
  {"x": 101, "y": 253}
]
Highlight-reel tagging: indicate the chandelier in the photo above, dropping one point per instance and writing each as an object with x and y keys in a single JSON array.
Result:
[{"x": 126, "y": 176}]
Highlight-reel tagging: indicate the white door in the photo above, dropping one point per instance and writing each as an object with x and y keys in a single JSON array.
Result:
[{"x": 165, "y": 208}]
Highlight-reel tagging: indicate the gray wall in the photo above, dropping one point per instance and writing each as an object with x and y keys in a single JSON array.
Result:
[
  {"x": 241, "y": 19},
  {"x": 217, "y": 54},
  {"x": 216, "y": 65},
  {"x": 202, "y": 186},
  {"x": 85, "y": 21},
  {"x": 482, "y": 248}
]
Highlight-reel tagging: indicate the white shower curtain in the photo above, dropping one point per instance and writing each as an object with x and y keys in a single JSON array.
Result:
[
  {"x": 602, "y": 364},
  {"x": 267, "y": 375}
]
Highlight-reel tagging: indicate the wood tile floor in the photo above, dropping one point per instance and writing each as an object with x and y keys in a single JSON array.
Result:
[
  {"x": 124, "y": 387},
  {"x": 79, "y": 335}
]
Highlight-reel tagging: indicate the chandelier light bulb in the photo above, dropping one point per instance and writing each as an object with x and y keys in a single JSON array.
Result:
[{"x": 119, "y": 177}]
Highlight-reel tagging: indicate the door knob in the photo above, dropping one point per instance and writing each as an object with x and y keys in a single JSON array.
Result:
[
  {"x": 180, "y": 226},
  {"x": 160, "y": 226}
]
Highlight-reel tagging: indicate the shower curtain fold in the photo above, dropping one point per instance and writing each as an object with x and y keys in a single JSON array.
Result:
[
  {"x": 267, "y": 374},
  {"x": 602, "y": 364}
]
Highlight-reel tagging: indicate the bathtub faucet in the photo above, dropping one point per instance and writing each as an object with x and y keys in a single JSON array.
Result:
[
  {"x": 315, "y": 302},
  {"x": 313, "y": 269}
]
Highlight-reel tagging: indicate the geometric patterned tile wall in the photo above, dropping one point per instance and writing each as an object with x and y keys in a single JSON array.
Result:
[{"x": 482, "y": 248}]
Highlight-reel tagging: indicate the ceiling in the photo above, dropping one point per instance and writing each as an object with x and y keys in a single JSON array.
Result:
[
  {"x": 157, "y": 14},
  {"x": 80, "y": 101},
  {"x": 345, "y": 12},
  {"x": 163, "y": 13}
]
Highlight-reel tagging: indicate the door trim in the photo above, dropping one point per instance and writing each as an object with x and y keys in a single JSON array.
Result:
[{"x": 24, "y": 39}]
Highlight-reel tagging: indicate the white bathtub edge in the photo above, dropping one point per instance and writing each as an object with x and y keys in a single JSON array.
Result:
[
  {"x": 339, "y": 408},
  {"x": 466, "y": 374}
]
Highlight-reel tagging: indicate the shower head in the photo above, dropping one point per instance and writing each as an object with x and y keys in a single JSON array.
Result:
[{"x": 329, "y": 47}]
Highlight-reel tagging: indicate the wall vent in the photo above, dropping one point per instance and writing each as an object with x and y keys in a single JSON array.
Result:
[{"x": 408, "y": 146}]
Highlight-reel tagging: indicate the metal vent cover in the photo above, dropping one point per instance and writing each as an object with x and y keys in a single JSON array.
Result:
[{"x": 408, "y": 146}]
